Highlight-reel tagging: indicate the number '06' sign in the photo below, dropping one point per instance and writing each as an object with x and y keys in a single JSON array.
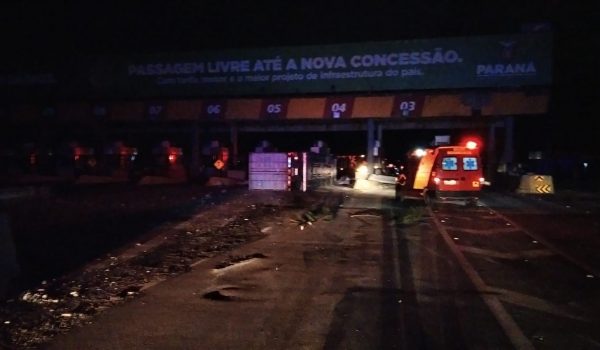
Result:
[
  {"x": 274, "y": 108},
  {"x": 213, "y": 109}
]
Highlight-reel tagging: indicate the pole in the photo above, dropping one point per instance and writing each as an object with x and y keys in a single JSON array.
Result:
[
  {"x": 370, "y": 143},
  {"x": 491, "y": 152}
]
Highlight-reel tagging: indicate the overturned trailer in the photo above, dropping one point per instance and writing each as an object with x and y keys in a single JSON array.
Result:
[{"x": 292, "y": 171}]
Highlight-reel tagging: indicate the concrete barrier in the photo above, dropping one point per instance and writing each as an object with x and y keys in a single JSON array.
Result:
[
  {"x": 17, "y": 192},
  {"x": 9, "y": 267},
  {"x": 384, "y": 179},
  {"x": 536, "y": 184}
]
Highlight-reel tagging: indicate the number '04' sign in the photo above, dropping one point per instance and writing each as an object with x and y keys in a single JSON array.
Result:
[{"x": 339, "y": 107}]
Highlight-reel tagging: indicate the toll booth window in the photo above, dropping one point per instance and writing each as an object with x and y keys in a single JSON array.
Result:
[
  {"x": 449, "y": 163},
  {"x": 470, "y": 163}
]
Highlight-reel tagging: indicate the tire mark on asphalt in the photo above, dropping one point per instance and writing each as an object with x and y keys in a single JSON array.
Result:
[
  {"x": 508, "y": 324},
  {"x": 535, "y": 303},
  {"x": 567, "y": 256},
  {"x": 525, "y": 254},
  {"x": 400, "y": 309}
]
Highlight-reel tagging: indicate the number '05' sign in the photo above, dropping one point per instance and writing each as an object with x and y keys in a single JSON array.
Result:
[
  {"x": 274, "y": 109},
  {"x": 339, "y": 107}
]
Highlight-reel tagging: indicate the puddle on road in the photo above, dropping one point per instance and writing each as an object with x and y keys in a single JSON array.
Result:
[
  {"x": 218, "y": 296},
  {"x": 366, "y": 213}
]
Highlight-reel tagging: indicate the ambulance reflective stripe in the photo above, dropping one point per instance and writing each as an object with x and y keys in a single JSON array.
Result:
[
  {"x": 402, "y": 179},
  {"x": 424, "y": 170}
]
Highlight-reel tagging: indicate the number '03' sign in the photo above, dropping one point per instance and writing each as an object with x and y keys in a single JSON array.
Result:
[{"x": 407, "y": 106}]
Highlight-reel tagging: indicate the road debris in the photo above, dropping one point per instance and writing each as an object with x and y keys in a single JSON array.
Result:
[
  {"x": 237, "y": 259},
  {"x": 40, "y": 313}
]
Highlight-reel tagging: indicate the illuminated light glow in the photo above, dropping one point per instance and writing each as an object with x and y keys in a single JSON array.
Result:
[
  {"x": 419, "y": 152},
  {"x": 304, "y": 171},
  {"x": 482, "y": 179},
  {"x": 362, "y": 170},
  {"x": 219, "y": 164},
  {"x": 172, "y": 158},
  {"x": 585, "y": 165},
  {"x": 471, "y": 145},
  {"x": 436, "y": 180},
  {"x": 448, "y": 182},
  {"x": 362, "y": 155}
]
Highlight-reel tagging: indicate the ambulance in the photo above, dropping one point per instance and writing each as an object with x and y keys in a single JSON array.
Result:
[{"x": 443, "y": 173}]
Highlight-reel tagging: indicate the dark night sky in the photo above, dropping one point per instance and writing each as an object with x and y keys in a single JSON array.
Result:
[{"x": 35, "y": 34}]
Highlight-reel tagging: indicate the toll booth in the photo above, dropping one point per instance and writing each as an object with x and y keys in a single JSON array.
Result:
[
  {"x": 10, "y": 169},
  {"x": 37, "y": 160},
  {"x": 85, "y": 161},
  {"x": 215, "y": 159},
  {"x": 168, "y": 161},
  {"x": 119, "y": 160}
]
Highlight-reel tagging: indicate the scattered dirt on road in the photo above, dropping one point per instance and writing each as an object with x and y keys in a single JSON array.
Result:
[{"x": 201, "y": 225}]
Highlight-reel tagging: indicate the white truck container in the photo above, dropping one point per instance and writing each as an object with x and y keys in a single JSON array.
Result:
[{"x": 268, "y": 171}]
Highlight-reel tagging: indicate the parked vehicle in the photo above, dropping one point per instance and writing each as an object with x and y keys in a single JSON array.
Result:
[{"x": 445, "y": 172}]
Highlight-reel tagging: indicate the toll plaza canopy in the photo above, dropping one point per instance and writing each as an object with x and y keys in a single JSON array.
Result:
[{"x": 425, "y": 77}]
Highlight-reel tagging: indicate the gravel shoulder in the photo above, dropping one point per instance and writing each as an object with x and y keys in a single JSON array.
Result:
[{"x": 195, "y": 224}]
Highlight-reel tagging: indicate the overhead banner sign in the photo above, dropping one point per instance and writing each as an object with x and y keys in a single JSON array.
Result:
[{"x": 488, "y": 61}]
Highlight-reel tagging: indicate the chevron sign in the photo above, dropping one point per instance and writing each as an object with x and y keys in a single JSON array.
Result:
[
  {"x": 539, "y": 178},
  {"x": 544, "y": 188}
]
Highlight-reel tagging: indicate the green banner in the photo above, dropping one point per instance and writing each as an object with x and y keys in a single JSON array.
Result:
[{"x": 465, "y": 62}]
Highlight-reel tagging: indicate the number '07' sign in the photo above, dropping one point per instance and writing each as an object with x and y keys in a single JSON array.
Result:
[{"x": 155, "y": 110}]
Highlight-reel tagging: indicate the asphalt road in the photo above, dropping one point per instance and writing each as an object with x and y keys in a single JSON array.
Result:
[{"x": 370, "y": 273}]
